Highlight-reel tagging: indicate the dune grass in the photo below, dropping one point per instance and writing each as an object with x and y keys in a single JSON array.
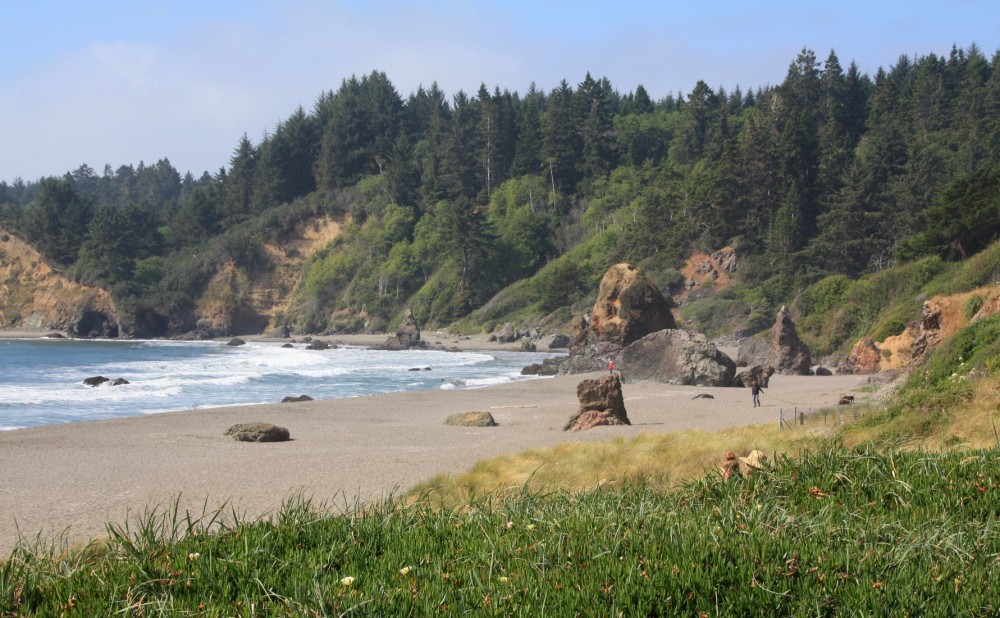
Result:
[{"x": 831, "y": 533}]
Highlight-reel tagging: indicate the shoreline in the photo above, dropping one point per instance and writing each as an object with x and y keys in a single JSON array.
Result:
[
  {"x": 78, "y": 477},
  {"x": 465, "y": 343}
]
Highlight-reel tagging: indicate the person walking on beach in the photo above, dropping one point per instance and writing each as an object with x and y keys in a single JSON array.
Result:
[
  {"x": 755, "y": 390},
  {"x": 611, "y": 367}
]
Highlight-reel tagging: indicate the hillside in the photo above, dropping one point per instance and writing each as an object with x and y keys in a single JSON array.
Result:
[
  {"x": 508, "y": 207},
  {"x": 35, "y": 296}
]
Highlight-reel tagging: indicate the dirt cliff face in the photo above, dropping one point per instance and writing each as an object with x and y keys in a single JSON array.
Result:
[
  {"x": 36, "y": 297},
  {"x": 943, "y": 316},
  {"x": 234, "y": 303}
]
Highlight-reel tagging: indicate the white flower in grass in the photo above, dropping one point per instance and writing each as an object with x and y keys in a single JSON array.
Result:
[
  {"x": 510, "y": 525},
  {"x": 405, "y": 570},
  {"x": 347, "y": 581},
  {"x": 194, "y": 556}
]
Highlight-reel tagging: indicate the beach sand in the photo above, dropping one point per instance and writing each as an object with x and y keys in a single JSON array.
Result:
[{"x": 77, "y": 477}]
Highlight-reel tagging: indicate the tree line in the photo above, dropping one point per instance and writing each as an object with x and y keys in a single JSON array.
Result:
[{"x": 452, "y": 200}]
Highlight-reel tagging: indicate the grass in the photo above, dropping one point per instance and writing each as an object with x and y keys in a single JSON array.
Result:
[{"x": 831, "y": 533}]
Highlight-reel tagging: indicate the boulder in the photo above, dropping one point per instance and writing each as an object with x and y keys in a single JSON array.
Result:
[
  {"x": 629, "y": 306},
  {"x": 755, "y": 350},
  {"x": 407, "y": 335},
  {"x": 559, "y": 341},
  {"x": 291, "y": 399},
  {"x": 793, "y": 354},
  {"x": 96, "y": 380},
  {"x": 119, "y": 382},
  {"x": 525, "y": 345},
  {"x": 257, "y": 432},
  {"x": 601, "y": 403},
  {"x": 287, "y": 345},
  {"x": 236, "y": 341},
  {"x": 507, "y": 334},
  {"x": 674, "y": 356},
  {"x": 471, "y": 419},
  {"x": 761, "y": 374},
  {"x": 548, "y": 367},
  {"x": 820, "y": 370},
  {"x": 319, "y": 344}
]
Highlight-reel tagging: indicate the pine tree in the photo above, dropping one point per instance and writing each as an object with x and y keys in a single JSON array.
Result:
[{"x": 237, "y": 201}]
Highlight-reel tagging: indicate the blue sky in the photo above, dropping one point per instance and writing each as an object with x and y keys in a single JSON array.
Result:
[{"x": 115, "y": 82}]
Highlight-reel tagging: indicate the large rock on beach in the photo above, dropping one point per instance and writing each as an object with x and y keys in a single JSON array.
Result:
[
  {"x": 761, "y": 374},
  {"x": 407, "y": 335},
  {"x": 629, "y": 306},
  {"x": 257, "y": 432},
  {"x": 236, "y": 342},
  {"x": 601, "y": 403},
  {"x": 783, "y": 350},
  {"x": 471, "y": 419},
  {"x": 96, "y": 380},
  {"x": 293, "y": 399},
  {"x": 548, "y": 367},
  {"x": 793, "y": 354},
  {"x": 675, "y": 356},
  {"x": 756, "y": 350}
]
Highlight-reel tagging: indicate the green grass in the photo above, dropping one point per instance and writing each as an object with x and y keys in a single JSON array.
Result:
[{"x": 831, "y": 533}]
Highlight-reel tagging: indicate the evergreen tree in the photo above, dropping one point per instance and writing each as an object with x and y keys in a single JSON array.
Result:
[
  {"x": 562, "y": 146},
  {"x": 237, "y": 201},
  {"x": 56, "y": 221}
]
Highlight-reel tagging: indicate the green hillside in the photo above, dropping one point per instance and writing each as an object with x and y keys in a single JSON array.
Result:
[{"x": 508, "y": 206}]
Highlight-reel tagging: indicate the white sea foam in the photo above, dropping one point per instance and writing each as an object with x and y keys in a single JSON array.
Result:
[{"x": 42, "y": 382}]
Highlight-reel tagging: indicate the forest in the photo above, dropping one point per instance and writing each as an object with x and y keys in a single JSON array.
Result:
[{"x": 503, "y": 205}]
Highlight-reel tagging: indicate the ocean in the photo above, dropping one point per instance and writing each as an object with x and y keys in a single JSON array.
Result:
[{"x": 41, "y": 380}]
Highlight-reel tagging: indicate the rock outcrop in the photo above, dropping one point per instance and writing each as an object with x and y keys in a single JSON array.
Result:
[
  {"x": 864, "y": 358},
  {"x": 407, "y": 335},
  {"x": 756, "y": 350},
  {"x": 559, "y": 342},
  {"x": 784, "y": 350},
  {"x": 793, "y": 354},
  {"x": 601, "y": 403},
  {"x": 257, "y": 432},
  {"x": 629, "y": 306},
  {"x": 236, "y": 342},
  {"x": 675, "y": 356},
  {"x": 761, "y": 374},
  {"x": 548, "y": 367},
  {"x": 293, "y": 399}
]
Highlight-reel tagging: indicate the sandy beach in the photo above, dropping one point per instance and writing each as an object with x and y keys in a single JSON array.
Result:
[{"x": 77, "y": 477}]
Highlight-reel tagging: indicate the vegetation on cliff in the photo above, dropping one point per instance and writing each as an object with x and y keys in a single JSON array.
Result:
[{"x": 507, "y": 204}]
